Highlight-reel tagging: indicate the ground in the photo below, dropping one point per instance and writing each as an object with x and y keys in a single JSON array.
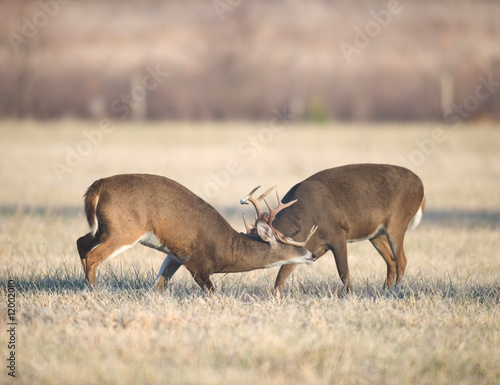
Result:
[{"x": 442, "y": 326}]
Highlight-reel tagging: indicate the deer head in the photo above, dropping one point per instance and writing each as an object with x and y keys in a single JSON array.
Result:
[{"x": 263, "y": 226}]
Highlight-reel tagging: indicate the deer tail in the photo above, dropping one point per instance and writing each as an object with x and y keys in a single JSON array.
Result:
[
  {"x": 91, "y": 199},
  {"x": 415, "y": 221}
]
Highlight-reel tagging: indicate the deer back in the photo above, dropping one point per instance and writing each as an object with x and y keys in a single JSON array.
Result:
[{"x": 354, "y": 199}]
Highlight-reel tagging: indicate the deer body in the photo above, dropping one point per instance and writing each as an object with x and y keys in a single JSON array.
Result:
[
  {"x": 353, "y": 203},
  {"x": 124, "y": 210}
]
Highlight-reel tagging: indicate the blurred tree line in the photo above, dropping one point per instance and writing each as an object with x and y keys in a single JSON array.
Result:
[{"x": 239, "y": 59}]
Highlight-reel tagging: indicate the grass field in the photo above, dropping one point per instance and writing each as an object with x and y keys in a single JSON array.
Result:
[{"x": 442, "y": 326}]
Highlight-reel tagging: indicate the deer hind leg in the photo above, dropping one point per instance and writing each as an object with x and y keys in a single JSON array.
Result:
[
  {"x": 105, "y": 247},
  {"x": 167, "y": 270},
  {"x": 395, "y": 236},
  {"x": 84, "y": 245},
  {"x": 283, "y": 274},
  {"x": 382, "y": 245}
]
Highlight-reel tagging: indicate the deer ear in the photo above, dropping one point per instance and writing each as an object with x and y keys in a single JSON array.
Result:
[{"x": 265, "y": 232}]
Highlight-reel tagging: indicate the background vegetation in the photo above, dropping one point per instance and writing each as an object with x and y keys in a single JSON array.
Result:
[{"x": 242, "y": 60}]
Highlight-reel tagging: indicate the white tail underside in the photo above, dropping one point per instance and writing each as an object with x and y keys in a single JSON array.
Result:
[
  {"x": 415, "y": 221},
  {"x": 95, "y": 224}
]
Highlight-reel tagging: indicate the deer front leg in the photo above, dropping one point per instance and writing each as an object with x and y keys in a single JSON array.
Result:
[
  {"x": 168, "y": 268},
  {"x": 402, "y": 263},
  {"x": 283, "y": 274},
  {"x": 339, "y": 249},
  {"x": 203, "y": 280}
]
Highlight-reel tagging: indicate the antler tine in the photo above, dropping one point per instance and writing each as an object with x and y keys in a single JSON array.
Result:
[
  {"x": 250, "y": 199},
  {"x": 313, "y": 230},
  {"x": 245, "y": 200},
  {"x": 282, "y": 238},
  {"x": 267, "y": 192},
  {"x": 249, "y": 230},
  {"x": 273, "y": 212},
  {"x": 290, "y": 241},
  {"x": 256, "y": 201}
]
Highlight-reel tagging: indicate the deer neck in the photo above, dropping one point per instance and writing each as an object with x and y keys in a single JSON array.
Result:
[{"x": 245, "y": 254}]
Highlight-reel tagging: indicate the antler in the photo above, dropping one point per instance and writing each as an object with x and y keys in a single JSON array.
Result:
[
  {"x": 279, "y": 234},
  {"x": 249, "y": 230},
  {"x": 255, "y": 201},
  {"x": 272, "y": 214},
  {"x": 290, "y": 241}
]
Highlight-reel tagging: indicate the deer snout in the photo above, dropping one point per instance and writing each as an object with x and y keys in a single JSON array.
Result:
[{"x": 310, "y": 257}]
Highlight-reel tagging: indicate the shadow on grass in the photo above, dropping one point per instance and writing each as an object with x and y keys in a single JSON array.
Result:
[
  {"x": 65, "y": 211},
  {"x": 54, "y": 280},
  {"x": 413, "y": 287},
  {"x": 133, "y": 282},
  {"x": 463, "y": 218},
  {"x": 64, "y": 279}
]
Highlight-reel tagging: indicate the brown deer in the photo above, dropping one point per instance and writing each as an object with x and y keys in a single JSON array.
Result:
[
  {"x": 157, "y": 212},
  {"x": 352, "y": 203}
]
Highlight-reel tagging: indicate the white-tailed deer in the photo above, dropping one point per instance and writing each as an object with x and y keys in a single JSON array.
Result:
[
  {"x": 352, "y": 203},
  {"x": 124, "y": 210}
]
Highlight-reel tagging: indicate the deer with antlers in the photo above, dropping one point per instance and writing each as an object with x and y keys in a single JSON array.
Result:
[
  {"x": 374, "y": 202},
  {"x": 157, "y": 212}
]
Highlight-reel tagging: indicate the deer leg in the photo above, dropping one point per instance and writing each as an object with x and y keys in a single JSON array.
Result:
[
  {"x": 403, "y": 262},
  {"x": 110, "y": 247},
  {"x": 283, "y": 274},
  {"x": 209, "y": 285},
  {"x": 84, "y": 245},
  {"x": 396, "y": 238},
  {"x": 203, "y": 280},
  {"x": 339, "y": 250},
  {"x": 382, "y": 245},
  {"x": 167, "y": 270}
]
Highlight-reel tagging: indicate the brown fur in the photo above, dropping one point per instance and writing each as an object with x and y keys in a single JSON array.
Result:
[
  {"x": 349, "y": 203},
  {"x": 127, "y": 207}
]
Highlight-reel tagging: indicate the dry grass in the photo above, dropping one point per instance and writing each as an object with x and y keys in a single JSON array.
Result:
[{"x": 441, "y": 327}]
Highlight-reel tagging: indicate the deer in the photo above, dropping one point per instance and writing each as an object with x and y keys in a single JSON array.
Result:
[
  {"x": 159, "y": 213},
  {"x": 352, "y": 203}
]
